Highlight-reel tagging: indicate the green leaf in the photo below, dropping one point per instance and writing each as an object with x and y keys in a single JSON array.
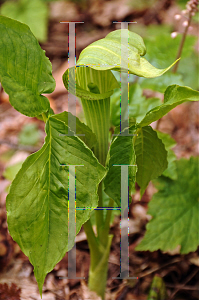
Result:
[
  {"x": 88, "y": 81},
  {"x": 29, "y": 135},
  {"x": 86, "y": 135},
  {"x": 32, "y": 13},
  {"x": 37, "y": 205},
  {"x": 11, "y": 171},
  {"x": 105, "y": 54},
  {"x": 25, "y": 71},
  {"x": 121, "y": 153},
  {"x": 171, "y": 169},
  {"x": 173, "y": 96},
  {"x": 169, "y": 143},
  {"x": 151, "y": 157},
  {"x": 132, "y": 127},
  {"x": 189, "y": 70},
  {"x": 138, "y": 104},
  {"x": 158, "y": 85},
  {"x": 161, "y": 54},
  {"x": 174, "y": 209}
]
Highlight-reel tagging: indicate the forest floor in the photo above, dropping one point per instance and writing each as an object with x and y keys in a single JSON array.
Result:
[{"x": 179, "y": 272}]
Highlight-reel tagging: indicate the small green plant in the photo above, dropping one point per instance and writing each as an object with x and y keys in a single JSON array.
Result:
[
  {"x": 37, "y": 203},
  {"x": 29, "y": 135},
  {"x": 158, "y": 289},
  {"x": 32, "y": 13}
]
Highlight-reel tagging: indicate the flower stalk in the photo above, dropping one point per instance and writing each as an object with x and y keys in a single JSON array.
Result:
[{"x": 191, "y": 9}]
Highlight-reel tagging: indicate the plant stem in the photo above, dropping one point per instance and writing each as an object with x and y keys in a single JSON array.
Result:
[
  {"x": 93, "y": 242},
  {"x": 108, "y": 218},
  {"x": 182, "y": 43},
  {"x": 98, "y": 273},
  {"x": 44, "y": 117},
  {"x": 97, "y": 114},
  {"x": 99, "y": 213}
]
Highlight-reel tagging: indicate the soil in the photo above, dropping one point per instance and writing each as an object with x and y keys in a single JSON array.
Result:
[{"x": 180, "y": 272}]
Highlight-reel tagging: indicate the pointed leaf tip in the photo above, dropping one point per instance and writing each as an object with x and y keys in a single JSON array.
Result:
[{"x": 105, "y": 54}]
